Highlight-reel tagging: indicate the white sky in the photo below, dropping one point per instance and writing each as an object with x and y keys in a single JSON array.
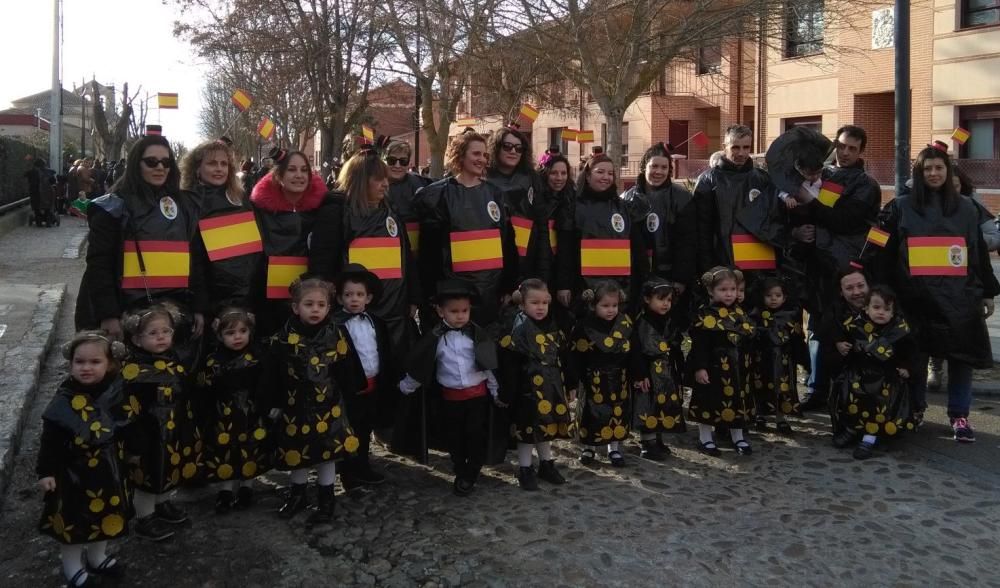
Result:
[{"x": 115, "y": 41}]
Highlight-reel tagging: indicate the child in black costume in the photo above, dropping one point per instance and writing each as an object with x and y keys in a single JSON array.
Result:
[
  {"x": 164, "y": 443},
  {"x": 601, "y": 343},
  {"x": 873, "y": 395},
  {"x": 458, "y": 355},
  {"x": 309, "y": 369},
  {"x": 358, "y": 289},
  {"x": 778, "y": 348},
  {"x": 657, "y": 365},
  {"x": 720, "y": 362},
  {"x": 86, "y": 500},
  {"x": 532, "y": 383},
  {"x": 236, "y": 446}
]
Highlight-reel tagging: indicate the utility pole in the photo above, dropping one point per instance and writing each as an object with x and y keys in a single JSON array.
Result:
[
  {"x": 417, "y": 102},
  {"x": 55, "y": 100},
  {"x": 901, "y": 33},
  {"x": 83, "y": 120}
]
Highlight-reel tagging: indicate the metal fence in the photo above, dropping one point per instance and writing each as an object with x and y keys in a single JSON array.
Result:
[{"x": 15, "y": 159}]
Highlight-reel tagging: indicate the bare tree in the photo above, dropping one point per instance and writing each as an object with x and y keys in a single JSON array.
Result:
[{"x": 113, "y": 127}]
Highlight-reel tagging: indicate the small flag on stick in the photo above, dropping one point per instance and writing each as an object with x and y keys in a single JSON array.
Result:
[
  {"x": 368, "y": 134},
  {"x": 166, "y": 100},
  {"x": 569, "y": 134},
  {"x": 466, "y": 122},
  {"x": 699, "y": 139},
  {"x": 528, "y": 113},
  {"x": 585, "y": 136},
  {"x": 878, "y": 237},
  {"x": 961, "y": 135},
  {"x": 266, "y": 128},
  {"x": 829, "y": 193},
  {"x": 242, "y": 100}
]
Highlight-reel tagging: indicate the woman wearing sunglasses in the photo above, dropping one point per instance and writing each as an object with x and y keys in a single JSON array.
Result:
[
  {"x": 290, "y": 202},
  {"x": 227, "y": 227},
  {"x": 143, "y": 248},
  {"x": 403, "y": 186}
]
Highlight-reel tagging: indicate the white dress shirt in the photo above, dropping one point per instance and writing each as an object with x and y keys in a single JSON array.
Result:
[
  {"x": 456, "y": 365},
  {"x": 362, "y": 332}
]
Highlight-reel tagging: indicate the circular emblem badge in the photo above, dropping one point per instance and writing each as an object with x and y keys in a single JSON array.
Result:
[
  {"x": 390, "y": 225},
  {"x": 754, "y": 194},
  {"x": 652, "y": 222},
  {"x": 493, "y": 209},
  {"x": 168, "y": 207},
  {"x": 618, "y": 223},
  {"x": 956, "y": 256},
  {"x": 531, "y": 195}
]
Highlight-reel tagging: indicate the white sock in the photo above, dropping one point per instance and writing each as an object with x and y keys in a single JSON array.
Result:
[
  {"x": 869, "y": 439},
  {"x": 97, "y": 553},
  {"x": 144, "y": 502},
  {"x": 326, "y": 473},
  {"x": 647, "y": 436},
  {"x": 524, "y": 455},
  {"x": 736, "y": 434},
  {"x": 229, "y": 485},
  {"x": 705, "y": 433},
  {"x": 300, "y": 476},
  {"x": 613, "y": 446},
  {"x": 246, "y": 484},
  {"x": 72, "y": 561},
  {"x": 161, "y": 498},
  {"x": 544, "y": 450}
]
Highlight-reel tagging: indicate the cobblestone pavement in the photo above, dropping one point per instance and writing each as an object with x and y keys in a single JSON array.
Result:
[{"x": 924, "y": 512}]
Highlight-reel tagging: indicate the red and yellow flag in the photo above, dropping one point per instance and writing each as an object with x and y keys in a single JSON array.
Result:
[
  {"x": 413, "y": 234},
  {"x": 242, "y": 100},
  {"x": 368, "y": 134},
  {"x": 168, "y": 264},
  {"x": 281, "y": 272},
  {"x": 553, "y": 240},
  {"x": 585, "y": 136},
  {"x": 522, "y": 233},
  {"x": 605, "y": 257},
  {"x": 699, "y": 139},
  {"x": 266, "y": 128},
  {"x": 751, "y": 254},
  {"x": 961, "y": 135},
  {"x": 466, "y": 122},
  {"x": 380, "y": 255},
  {"x": 938, "y": 256},
  {"x": 230, "y": 235},
  {"x": 476, "y": 250},
  {"x": 166, "y": 100},
  {"x": 528, "y": 113},
  {"x": 878, "y": 237},
  {"x": 569, "y": 134},
  {"x": 829, "y": 193}
]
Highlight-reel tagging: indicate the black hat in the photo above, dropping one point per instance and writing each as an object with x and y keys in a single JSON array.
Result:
[
  {"x": 154, "y": 130},
  {"x": 455, "y": 288},
  {"x": 356, "y": 272},
  {"x": 800, "y": 146},
  {"x": 656, "y": 284},
  {"x": 554, "y": 149}
]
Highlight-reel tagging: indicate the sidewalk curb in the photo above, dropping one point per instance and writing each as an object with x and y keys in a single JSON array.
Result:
[
  {"x": 20, "y": 374},
  {"x": 986, "y": 389},
  {"x": 13, "y": 219}
]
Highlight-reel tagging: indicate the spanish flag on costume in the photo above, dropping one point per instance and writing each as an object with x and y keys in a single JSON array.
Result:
[
  {"x": 877, "y": 237},
  {"x": 155, "y": 264},
  {"x": 749, "y": 253},
  {"x": 476, "y": 250},
  {"x": 281, "y": 272},
  {"x": 381, "y": 256},
  {"x": 938, "y": 256},
  {"x": 605, "y": 257},
  {"x": 230, "y": 235},
  {"x": 829, "y": 193}
]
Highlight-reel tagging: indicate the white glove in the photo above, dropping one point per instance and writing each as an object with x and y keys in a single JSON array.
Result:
[
  {"x": 810, "y": 190},
  {"x": 274, "y": 414}
]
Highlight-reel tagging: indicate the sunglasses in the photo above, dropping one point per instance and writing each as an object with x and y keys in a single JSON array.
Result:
[
  {"x": 397, "y": 161},
  {"x": 153, "y": 163},
  {"x": 509, "y": 147}
]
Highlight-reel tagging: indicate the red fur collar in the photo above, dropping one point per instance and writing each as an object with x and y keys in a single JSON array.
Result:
[{"x": 267, "y": 195}]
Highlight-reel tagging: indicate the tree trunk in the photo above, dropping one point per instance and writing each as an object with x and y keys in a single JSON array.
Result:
[
  {"x": 614, "y": 116},
  {"x": 435, "y": 130}
]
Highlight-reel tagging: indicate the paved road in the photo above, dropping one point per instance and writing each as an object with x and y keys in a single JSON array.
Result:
[{"x": 796, "y": 513}]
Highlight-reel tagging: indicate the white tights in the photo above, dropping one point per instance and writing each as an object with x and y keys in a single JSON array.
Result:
[
  {"x": 326, "y": 474},
  {"x": 544, "y": 450}
]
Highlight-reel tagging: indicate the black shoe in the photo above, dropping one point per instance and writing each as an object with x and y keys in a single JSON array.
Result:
[
  {"x": 81, "y": 579},
  {"x": 743, "y": 447},
  {"x": 616, "y": 458},
  {"x": 295, "y": 503},
  {"x": 547, "y": 471},
  {"x": 651, "y": 451},
  {"x": 244, "y": 498},
  {"x": 109, "y": 568},
  {"x": 324, "y": 506},
  {"x": 863, "y": 450},
  {"x": 152, "y": 528},
  {"x": 587, "y": 456},
  {"x": 366, "y": 476},
  {"x": 844, "y": 438},
  {"x": 813, "y": 403},
  {"x": 169, "y": 512},
  {"x": 526, "y": 478},
  {"x": 224, "y": 502},
  {"x": 463, "y": 487},
  {"x": 784, "y": 428},
  {"x": 661, "y": 445},
  {"x": 760, "y": 424},
  {"x": 709, "y": 448}
]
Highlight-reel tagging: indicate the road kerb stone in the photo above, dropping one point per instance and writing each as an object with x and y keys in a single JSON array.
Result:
[{"x": 20, "y": 373}]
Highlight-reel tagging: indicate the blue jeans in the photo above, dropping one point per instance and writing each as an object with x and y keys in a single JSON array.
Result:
[{"x": 959, "y": 386}]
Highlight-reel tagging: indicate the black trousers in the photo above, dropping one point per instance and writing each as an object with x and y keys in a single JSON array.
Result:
[
  {"x": 466, "y": 431},
  {"x": 362, "y": 414}
]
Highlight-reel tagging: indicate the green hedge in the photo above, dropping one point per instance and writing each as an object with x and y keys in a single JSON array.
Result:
[{"x": 15, "y": 159}]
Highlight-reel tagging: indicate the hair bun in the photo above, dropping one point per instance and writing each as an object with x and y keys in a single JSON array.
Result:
[
  {"x": 587, "y": 295},
  {"x": 118, "y": 350}
]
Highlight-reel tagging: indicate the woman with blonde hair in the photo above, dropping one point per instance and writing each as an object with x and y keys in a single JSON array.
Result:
[{"x": 226, "y": 224}]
